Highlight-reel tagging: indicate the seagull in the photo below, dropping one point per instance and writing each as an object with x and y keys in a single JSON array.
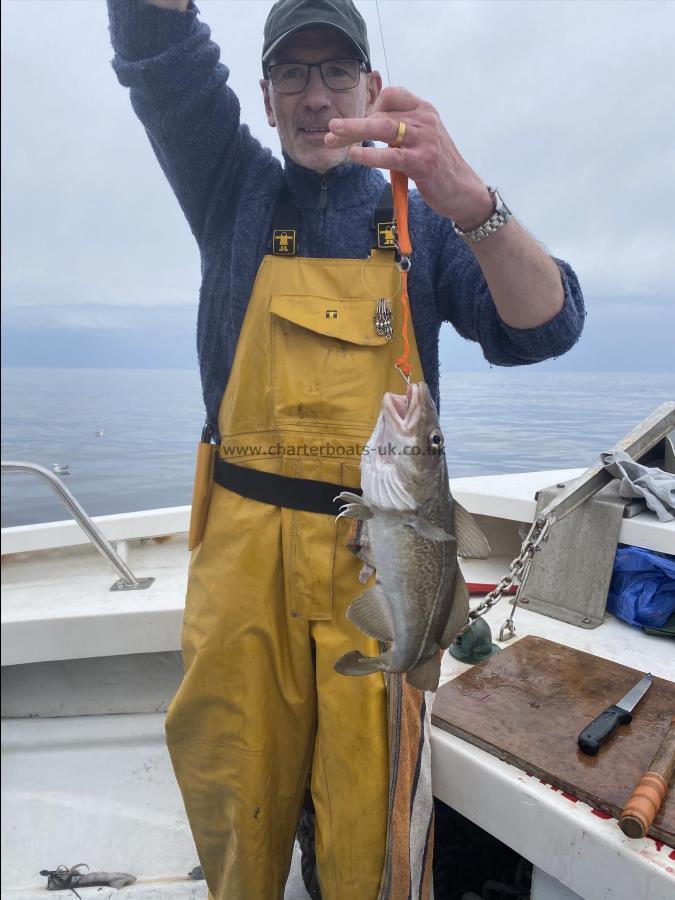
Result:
[
  {"x": 99, "y": 433},
  {"x": 60, "y": 469}
]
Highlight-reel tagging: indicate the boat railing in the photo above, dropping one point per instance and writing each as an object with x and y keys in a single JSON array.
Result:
[{"x": 127, "y": 580}]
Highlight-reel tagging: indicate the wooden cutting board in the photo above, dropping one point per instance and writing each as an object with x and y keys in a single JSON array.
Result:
[{"x": 527, "y": 705}]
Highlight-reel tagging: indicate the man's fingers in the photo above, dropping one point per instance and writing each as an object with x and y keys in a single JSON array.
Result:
[
  {"x": 395, "y": 99},
  {"x": 393, "y": 106},
  {"x": 372, "y": 128},
  {"x": 379, "y": 158}
]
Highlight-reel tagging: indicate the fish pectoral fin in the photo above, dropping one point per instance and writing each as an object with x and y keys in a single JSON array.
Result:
[
  {"x": 370, "y": 613},
  {"x": 426, "y": 675},
  {"x": 427, "y": 529},
  {"x": 471, "y": 542},
  {"x": 459, "y": 610},
  {"x": 353, "y": 506},
  {"x": 354, "y": 663}
]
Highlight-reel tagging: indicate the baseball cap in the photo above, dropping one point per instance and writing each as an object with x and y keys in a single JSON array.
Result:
[{"x": 289, "y": 16}]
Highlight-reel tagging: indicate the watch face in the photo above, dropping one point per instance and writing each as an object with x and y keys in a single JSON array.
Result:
[{"x": 501, "y": 206}]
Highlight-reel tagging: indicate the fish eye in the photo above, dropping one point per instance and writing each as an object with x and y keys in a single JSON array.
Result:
[{"x": 436, "y": 441}]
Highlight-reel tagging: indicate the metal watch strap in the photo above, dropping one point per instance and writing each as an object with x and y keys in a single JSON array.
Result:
[{"x": 499, "y": 217}]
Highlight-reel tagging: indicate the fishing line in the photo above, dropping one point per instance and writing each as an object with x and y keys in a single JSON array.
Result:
[
  {"x": 370, "y": 293},
  {"x": 384, "y": 49},
  {"x": 399, "y": 183}
]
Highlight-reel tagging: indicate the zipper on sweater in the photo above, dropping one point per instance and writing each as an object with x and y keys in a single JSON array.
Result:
[{"x": 323, "y": 196}]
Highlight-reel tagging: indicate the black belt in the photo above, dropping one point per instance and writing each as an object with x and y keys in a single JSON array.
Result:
[{"x": 280, "y": 490}]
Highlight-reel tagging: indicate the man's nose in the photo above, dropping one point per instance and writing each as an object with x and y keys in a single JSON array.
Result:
[{"x": 316, "y": 95}]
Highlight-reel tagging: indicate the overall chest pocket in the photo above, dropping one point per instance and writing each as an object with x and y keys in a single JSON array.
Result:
[{"x": 329, "y": 365}]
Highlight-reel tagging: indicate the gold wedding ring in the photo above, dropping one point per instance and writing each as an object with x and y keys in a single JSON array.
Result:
[{"x": 400, "y": 135}]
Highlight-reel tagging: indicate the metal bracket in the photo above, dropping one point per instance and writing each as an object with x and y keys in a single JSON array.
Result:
[
  {"x": 141, "y": 585},
  {"x": 643, "y": 438},
  {"x": 569, "y": 580}
]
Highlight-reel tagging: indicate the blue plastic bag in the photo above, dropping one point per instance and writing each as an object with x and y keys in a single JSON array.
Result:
[{"x": 642, "y": 589}]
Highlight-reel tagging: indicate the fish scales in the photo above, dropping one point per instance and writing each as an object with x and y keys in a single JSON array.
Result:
[
  {"x": 419, "y": 600},
  {"x": 424, "y": 585}
]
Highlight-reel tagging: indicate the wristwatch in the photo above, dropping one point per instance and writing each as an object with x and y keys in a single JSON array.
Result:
[{"x": 499, "y": 217}]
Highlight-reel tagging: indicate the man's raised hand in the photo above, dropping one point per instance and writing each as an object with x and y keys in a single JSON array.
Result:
[{"x": 427, "y": 154}]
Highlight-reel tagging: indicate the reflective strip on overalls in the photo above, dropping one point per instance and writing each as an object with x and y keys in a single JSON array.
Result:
[{"x": 261, "y": 709}]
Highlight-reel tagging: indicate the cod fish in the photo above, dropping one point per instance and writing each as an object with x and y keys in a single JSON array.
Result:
[{"x": 419, "y": 601}]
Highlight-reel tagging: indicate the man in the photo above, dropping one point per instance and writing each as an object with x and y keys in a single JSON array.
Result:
[{"x": 293, "y": 370}]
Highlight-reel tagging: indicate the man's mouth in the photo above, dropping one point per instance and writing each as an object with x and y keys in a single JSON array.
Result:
[{"x": 313, "y": 130}]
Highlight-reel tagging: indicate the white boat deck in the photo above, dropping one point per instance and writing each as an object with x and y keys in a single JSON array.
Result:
[
  {"x": 55, "y": 598},
  {"x": 56, "y": 586},
  {"x": 512, "y": 497},
  {"x": 85, "y": 777},
  {"x": 563, "y": 837}
]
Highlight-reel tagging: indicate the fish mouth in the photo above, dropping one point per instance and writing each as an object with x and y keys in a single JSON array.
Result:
[
  {"x": 397, "y": 423},
  {"x": 403, "y": 410},
  {"x": 390, "y": 470}
]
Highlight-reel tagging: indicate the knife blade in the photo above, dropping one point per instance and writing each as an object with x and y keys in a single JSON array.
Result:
[{"x": 620, "y": 713}]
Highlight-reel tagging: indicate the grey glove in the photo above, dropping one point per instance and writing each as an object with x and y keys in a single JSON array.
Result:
[{"x": 654, "y": 485}]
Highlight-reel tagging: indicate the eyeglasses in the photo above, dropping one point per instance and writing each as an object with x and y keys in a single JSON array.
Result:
[{"x": 337, "y": 74}]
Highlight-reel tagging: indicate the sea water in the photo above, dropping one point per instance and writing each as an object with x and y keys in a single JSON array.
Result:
[{"x": 501, "y": 420}]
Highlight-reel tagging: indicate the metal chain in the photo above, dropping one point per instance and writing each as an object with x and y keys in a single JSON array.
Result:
[{"x": 536, "y": 536}]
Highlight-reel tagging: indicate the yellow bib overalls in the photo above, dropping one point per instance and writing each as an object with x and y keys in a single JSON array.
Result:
[{"x": 260, "y": 705}]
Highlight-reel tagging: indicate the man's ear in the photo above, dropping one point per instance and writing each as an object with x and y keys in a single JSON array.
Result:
[
  {"x": 265, "y": 87},
  {"x": 374, "y": 88}
]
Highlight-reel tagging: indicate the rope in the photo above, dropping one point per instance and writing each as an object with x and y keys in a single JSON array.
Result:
[
  {"x": 399, "y": 184},
  {"x": 61, "y": 878}
]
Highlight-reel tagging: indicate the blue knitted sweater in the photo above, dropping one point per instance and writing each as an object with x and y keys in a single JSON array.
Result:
[{"x": 227, "y": 183}]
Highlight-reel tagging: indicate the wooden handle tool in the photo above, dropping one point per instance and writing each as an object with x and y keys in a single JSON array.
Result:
[{"x": 649, "y": 793}]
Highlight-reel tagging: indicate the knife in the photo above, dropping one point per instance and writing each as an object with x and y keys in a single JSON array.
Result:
[{"x": 607, "y": 722}]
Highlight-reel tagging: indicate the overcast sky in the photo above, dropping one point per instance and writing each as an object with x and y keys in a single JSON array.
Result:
[{"x": 566, "y": 106}]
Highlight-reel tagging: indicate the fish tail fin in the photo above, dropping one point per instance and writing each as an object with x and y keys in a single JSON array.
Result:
[
  {"x": 356, "y": 663},
  {"x": 426, "y": 675}
]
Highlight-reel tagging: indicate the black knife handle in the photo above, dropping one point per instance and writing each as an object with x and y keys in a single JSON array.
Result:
[{"x": 601, "y": 727}]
